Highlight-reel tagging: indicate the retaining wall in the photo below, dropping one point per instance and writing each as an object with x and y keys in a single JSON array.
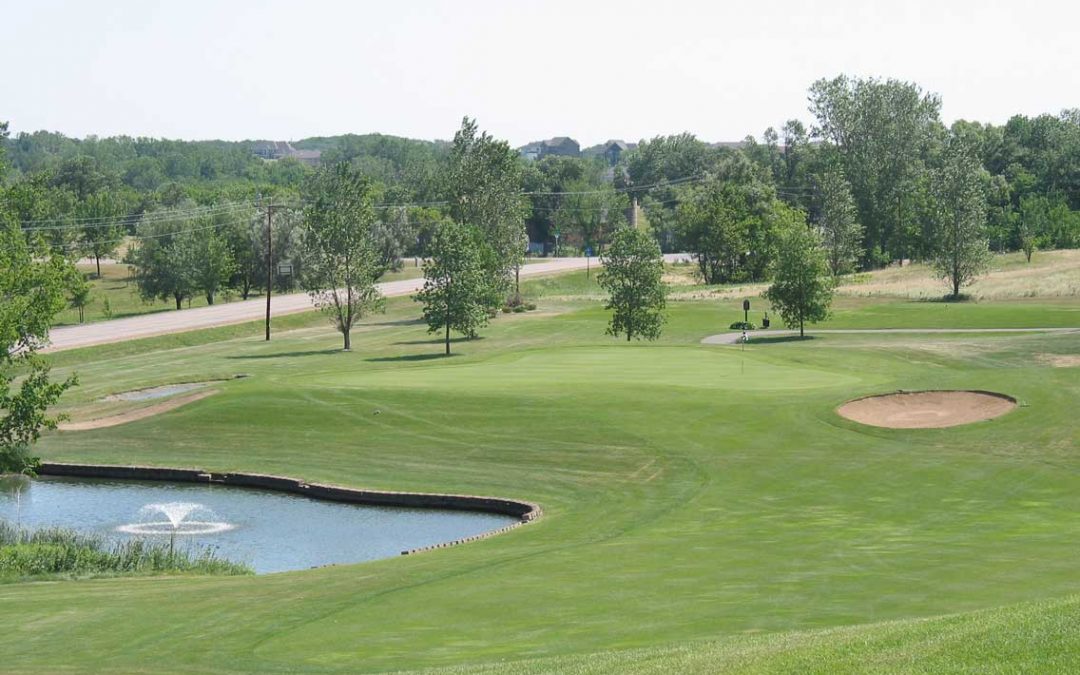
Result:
[{"x": 525, "y": 511}]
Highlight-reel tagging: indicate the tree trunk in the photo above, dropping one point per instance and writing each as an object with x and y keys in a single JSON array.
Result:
[
  {"x": 348, "y": 342},
  {"x": 81, "y": 317},
  {"x": 802, "y": 332},
  {"x": 448, "y": 335},
  {"x": 179, "y": 300},
  {"x": 209, "y": 297},
  {"x": 97, "y": 259}
]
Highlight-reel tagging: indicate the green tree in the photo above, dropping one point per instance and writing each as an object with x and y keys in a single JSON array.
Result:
[
  {"x": 33, "y": 286},
  {"x": 79, "y": 293},
  {"x": 1032, "y": 223},
  {"x": 728, "y": 223},
  {"x": 159, "y": 258},
  {"x": 633, "y": 277},
  {"x": 455, "y": 293},
  {"x": 841, "y": 232},
  {"x": 484, "y": 178},
  {"x": 802, "y": 287},
  {"x": 590, "y": 212},
  {"x": 206, "y": 259},
  {"x": 883, "y": 133},
  {"x": 100, "y": 233},
  {"x": 340, "y": 260},
  {"x": 960, "y": 251}
]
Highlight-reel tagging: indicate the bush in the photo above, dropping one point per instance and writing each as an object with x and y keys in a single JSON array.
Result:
[
  {"x": 743, "y": 325},
  {"x": 17, "y": 459}
]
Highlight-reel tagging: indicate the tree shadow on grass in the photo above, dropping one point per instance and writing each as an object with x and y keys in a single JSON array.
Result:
[
  {"x": 950, "y": 298},
  {"x": 275, "y": 355},
  {"x": 395, "y": 322},
  {"x": 405, "y": 358},
  {"x": 437, "y": 341},
  {"x": 777, "y": 339}
]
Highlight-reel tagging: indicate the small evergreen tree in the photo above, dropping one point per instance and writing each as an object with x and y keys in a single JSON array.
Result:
[{"x": 633, "y": 276}]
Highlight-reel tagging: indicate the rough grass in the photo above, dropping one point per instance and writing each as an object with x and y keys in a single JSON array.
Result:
[
  {"x": 55, "y": 553},
  {"x": 1050, "y": 274},
  {"x": 705, "y": 508}
]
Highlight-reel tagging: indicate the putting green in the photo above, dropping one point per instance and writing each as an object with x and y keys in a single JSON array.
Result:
[
  {"x": 632, "y": 366},
  {"x": 703, "y": 506}
]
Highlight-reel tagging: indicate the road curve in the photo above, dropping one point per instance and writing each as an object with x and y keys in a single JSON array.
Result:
[
  {"x": 160, "y": 323},
  {"x": 733, "y": 338}
]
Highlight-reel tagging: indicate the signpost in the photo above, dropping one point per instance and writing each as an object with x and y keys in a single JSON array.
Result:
[{"x": 746, "y": 311}]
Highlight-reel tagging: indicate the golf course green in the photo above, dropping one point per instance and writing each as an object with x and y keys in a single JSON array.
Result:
[{"x": 705, "y": 508}]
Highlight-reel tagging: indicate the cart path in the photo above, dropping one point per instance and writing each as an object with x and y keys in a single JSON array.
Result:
[
  {"x": 161, "y": 323},
  {"x": 733, "y": 338}
]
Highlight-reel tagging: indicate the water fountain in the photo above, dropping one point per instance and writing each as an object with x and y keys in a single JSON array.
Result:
[
  {"x": 15, "y": 484},
  {"x": 176, "y": 514}
]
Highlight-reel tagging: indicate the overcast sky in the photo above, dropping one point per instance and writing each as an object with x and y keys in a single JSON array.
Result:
[{"x": 240, "y": 69}]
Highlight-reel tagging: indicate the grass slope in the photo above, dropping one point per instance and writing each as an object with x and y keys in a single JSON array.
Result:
[{"x": 704, "y": 505}]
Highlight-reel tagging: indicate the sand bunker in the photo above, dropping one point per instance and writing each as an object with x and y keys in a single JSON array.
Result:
[
  {"x": 927, "y": 409},
  {"x": 138, "y": 414}
]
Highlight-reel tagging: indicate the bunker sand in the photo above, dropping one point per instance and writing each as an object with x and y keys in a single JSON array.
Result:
[{"x": 926, "y": 409}]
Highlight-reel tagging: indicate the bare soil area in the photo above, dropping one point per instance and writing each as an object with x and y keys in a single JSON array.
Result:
[
  {"x": 137, "y": 414},
  {"x": 926, "y": 409}
]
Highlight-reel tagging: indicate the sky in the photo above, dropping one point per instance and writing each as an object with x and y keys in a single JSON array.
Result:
[{"x": 527, "y": 70}]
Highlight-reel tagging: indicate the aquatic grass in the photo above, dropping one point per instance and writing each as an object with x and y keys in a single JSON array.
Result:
[{"x": 56, "y": 552}]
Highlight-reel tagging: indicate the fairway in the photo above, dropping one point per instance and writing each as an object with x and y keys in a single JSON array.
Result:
[{"x": 691, "y": 492}]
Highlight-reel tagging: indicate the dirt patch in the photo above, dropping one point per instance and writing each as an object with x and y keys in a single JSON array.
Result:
[
  {"x": 926, "y": 409},
  {"x": 137, "y": 414},
  {"x": 151, "y": 393},
  {"x": 1060, "y": 360}
]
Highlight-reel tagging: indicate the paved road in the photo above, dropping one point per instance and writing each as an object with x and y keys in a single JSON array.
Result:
[
  {"x": 733, "y": 338},
  {"x": 160, "y": 323}
]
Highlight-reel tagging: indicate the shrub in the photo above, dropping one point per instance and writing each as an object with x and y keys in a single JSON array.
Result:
[
  {"x": 743, "y": 325},
  {"x": 17, "y": 459}
]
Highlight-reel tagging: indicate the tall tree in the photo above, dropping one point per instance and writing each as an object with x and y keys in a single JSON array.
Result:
[
  {"x": 841, "y": 232},
  {"x": 633, "y": 277},
  {"x": 728, "y": 222},
  {"x": 456, "y": 284},
  {"x": 802, "y": 287},
  {"x": 100, "y": 232},
  {"x": 341, "y": 262},
  {"x": 960, "y": 249},
  {"x": 159, "y": 259},
  {"x": 883, "y": 133},
  {"x": 206, "y": 259},
  {"x": 484, "y": 179},
  {"x": 32, "y": 290},
  {"x": 589, "y": 211}
]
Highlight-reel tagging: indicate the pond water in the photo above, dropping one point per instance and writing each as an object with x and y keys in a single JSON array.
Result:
[{"x": 271, "y": 531}]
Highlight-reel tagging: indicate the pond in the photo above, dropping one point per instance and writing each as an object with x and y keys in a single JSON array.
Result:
[{"x": 271, "y": 531}]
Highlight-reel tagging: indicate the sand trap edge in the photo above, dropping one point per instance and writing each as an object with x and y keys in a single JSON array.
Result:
[{"x": 960, "y": 421}]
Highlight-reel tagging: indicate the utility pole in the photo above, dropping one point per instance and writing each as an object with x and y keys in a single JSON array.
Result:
[{"x": 269, "y": 262}]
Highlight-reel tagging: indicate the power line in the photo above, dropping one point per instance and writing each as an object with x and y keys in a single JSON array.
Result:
[{"x": 70, "y": 221}]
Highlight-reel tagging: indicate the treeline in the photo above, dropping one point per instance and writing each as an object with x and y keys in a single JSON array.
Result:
[
  {"x": 865, "y": 173},
  {"x": 869, "y": 174}
]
